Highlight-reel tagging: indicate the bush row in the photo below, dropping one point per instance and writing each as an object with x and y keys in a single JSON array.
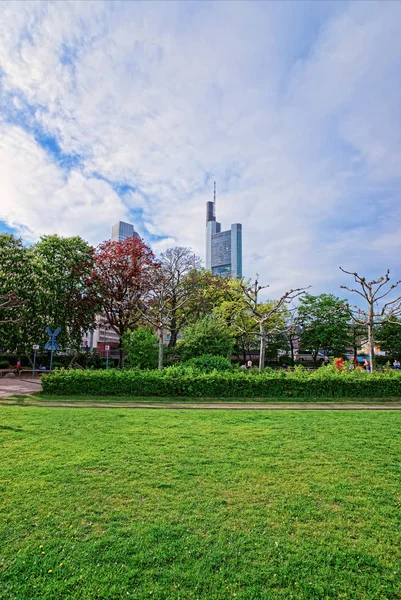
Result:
[{"x": 324, "y": 383}]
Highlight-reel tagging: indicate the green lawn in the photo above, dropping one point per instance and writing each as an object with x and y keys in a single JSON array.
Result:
[{"x": 114, "y": 503}]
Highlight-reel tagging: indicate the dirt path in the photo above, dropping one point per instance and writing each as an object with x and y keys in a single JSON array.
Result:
[
  {"x": 210, "y": 405},
  {"x": 24, "y": 388},
  {"x": 13, "y": 386}
]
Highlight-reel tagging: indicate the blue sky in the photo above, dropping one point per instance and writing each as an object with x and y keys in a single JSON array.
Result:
[{"x": 130, "y": 110}]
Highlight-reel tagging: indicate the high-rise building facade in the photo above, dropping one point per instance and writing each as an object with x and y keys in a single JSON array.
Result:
[
  {"x": 121, "y": 231},
  {"x": 223, "y": 248}
]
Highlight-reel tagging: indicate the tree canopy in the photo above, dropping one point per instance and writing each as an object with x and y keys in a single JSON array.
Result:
[{"x": 324, "y": 322}]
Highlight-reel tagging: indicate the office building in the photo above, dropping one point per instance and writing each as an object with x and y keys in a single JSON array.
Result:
[
  {"x": 223, "y": 248},
  {"x": 121, "y": 231}
]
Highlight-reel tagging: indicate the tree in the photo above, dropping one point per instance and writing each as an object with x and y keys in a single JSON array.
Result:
[
  {"x": 9, "y": 303},
  {"x": 141, "y": 348},
  {"x": 388, "y": 335},
  {"x": 210, "y": 335},
  {"x": 122, "y": 276},
  {"x": 177, "y": 263},
  {"x": 18, "y": 293},
  {"x": 161, "y": 304},
  {"x": 264, "y": 316},
  {"x": 376, "y": 309},
  {"x": 65, "y": 294},
  {"x": 324, "y": 322},
  {"x": 232, "y": 308},
  {"x": 206, "y": 292}
]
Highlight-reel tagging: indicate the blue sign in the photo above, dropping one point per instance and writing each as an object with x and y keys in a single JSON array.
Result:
[{"x": 52, "y": 344}]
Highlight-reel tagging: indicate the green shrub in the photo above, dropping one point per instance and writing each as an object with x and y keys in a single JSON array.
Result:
[
  {"x": 188, "y": 382},
  {"x": 4, "y": 364},
  {"x": 209, "y": 335},
  {"x": 141, "y": 347},
  {"x": 209, "y": 363}
]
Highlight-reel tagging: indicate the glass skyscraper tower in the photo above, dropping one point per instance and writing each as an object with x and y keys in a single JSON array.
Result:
[{"x": 223, "y": 248}]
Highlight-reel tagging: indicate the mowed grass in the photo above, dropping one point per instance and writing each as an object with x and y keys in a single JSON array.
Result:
[{"x": 114, "y": 503}]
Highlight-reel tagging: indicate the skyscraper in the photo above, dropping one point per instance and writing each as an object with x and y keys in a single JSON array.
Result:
[
  {"x": 121, "y": 231},
  {"x": 223, "y": 248}
]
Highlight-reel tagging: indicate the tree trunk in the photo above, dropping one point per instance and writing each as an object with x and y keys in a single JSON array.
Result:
[
  {"x": 173, "y": 336},
  {"x": 314, "y": 356},
  {"x": 121, "y": 348},
  {"x": 292, "y": 352},
  {"x": 173, "y": 326},
  {"x": 161, "y": 349},
  {"x": 371, "y": 343},
  {"x": 262, "y": 347}
]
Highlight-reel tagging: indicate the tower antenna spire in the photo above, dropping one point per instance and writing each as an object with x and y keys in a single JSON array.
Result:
[{"x": 214, "y": 201}]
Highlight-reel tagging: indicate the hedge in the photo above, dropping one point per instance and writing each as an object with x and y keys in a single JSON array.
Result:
[{"x": 323, "y": 383}]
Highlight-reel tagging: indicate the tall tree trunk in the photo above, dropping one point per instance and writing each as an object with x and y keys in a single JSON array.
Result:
[
  {"x": 371, "y": 343},
  {"x": 292, "y": 352},
  {"x": 173, "y": 335},
  {"x": 262, "y": 352},
  {"x": 173, "y": 326},
  {"x": 161, "y": 349},
  {"x": 121, "y": 348}
]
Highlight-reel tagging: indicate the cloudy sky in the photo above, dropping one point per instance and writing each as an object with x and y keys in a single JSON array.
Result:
[{"x": 128, "y": 111}]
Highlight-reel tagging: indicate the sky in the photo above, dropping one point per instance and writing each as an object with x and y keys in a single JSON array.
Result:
[{"x": 130, "y": 110}]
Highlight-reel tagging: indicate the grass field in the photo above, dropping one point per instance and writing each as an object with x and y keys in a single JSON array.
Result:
[{"x": 113, "y": 504}]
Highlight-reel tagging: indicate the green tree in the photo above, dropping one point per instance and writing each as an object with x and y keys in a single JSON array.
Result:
[
  {"x": 18, "y": 293},
  {"x": 209, "y": 335},
  {"x": 324, "y": 322},
  {"x": 65, "y": 294},
  {"x": 206, "y": 292},
  {"x": 388, "y": 336},
  {"x": 141, "y": 349}
]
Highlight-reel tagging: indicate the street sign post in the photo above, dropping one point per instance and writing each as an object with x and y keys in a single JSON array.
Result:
[
  {"x": 52, "y": 345},
  {"x": 35, "y": 347},
  {"x": 107, "y": 348}
]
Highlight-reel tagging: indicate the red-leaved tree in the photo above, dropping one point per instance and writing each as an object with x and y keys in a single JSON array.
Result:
[{"x": 122, "y": 276}]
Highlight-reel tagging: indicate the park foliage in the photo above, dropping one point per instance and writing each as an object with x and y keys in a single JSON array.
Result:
[
  {"x": 191, "y": 381},
  {"x": 65, "y": 283}
]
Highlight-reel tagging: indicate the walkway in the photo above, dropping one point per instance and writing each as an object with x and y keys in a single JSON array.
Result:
[{"x": 13, "y": 386}]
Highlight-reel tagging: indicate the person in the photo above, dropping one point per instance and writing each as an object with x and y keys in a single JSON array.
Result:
[
  {"x": 396, "y": 364},
  {"x": 243, "y": 366},
  {"x": 249, "y": 364},
  {"x": 18, "y": 366},
  {"x": 42, "y": 368},
  {"x": 366, "y": 364}
]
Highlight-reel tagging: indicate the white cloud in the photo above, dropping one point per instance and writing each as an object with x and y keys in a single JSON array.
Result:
[
  {"x": 296, "y": 119},
  {"x": 39, "y": 198}
]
